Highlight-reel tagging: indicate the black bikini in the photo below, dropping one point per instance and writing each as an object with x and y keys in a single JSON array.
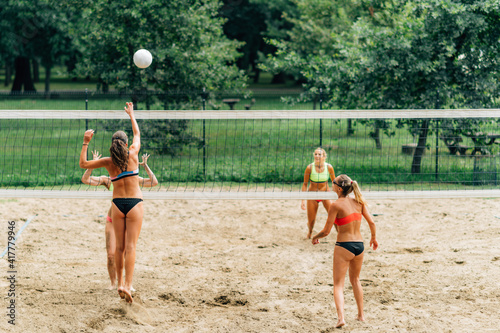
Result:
[
  {"x": 355, "y": 248},
  {"x": 126, "y": 204}
]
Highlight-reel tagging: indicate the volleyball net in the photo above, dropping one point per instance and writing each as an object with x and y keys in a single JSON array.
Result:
[{"x": 259, "y": 154}]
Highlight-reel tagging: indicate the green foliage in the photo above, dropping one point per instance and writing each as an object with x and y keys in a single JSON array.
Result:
[
  {"x": 38, "y": 29},
  {"x": 185, "y": 38},
  {"x": 398, "y": 55}
]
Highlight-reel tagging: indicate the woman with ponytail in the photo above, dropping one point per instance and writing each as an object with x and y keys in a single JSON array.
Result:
[
  {"x": 127, "y": 208},
  {"x": 346, "y": 214},
  {"x": 318, "y": 174}
]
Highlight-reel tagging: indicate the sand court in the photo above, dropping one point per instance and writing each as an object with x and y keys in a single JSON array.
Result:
[{"x": 245, "y": 266}]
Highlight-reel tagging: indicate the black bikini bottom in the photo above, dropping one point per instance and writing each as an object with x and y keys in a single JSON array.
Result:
[
  {"x": 355, "y": 248},
  {"x": 126, "y": 204}
]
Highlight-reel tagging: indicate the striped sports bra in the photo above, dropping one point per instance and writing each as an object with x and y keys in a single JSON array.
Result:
[
  {"x": 348, "y": 219},
  {"x": 125, "y": 174},
  {"x": 319, "y": 177}
]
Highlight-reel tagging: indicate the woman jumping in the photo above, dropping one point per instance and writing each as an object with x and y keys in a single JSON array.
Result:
[
  {"x": 346, "y": 213},
  {"x": 127, "y": 211},
  {"x": 88, "y": 179},
  {"x": 318, "y": 174}
]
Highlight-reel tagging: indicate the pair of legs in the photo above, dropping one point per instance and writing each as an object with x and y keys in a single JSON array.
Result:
[
  {"x": 312, "y": 211},
  {"x": 342, "y": 260},
  {"x": 127, "y": 229}
]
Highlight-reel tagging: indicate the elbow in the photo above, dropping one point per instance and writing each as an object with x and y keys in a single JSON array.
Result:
[
  {"x": 154, "y": 183},
  {"x": 83, "y": 180}
]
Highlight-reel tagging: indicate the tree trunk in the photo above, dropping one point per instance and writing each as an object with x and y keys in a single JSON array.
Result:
[
  {"x": 8, "y": 74},
  {"x": 47, "y": 79},
  {"x": 279, "y": 78},
  {"x": 419, "y": 150},
  {"x": 376, "y": 135},
  {"x": 36, "y": 71},
  {"x": 23, "y": 76},
  {"x": 350, "y": 131}
]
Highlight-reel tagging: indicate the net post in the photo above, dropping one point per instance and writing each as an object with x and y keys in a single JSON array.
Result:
[
  {"x": 320, "y": 120},
  {"x": 437, "y": 138},
  {"x": 86, "y": 107},
  {"x": 204, "y": 96}
]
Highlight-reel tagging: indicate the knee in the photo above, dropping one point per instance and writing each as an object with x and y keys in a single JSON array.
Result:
[
  {"x": 354, "y": 280},
  {"x": 130, "y": 248},
  {"x": 111, "y": 259},
  {"x": 120, "y": 248}
]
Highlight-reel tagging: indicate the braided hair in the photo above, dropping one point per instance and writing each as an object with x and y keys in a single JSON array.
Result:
[
  {"x": 119, "y": 150},
  {"x": 348, "y": 185}
]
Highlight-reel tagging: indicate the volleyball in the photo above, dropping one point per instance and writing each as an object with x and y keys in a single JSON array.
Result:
[{"x": 143, "y": 58}]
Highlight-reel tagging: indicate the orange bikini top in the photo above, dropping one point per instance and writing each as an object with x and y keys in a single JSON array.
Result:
[{"x": 348, "y": 219}]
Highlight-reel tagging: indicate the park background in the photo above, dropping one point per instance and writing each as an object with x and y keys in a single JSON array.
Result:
[
  {"x": 243, "y": 265},
  {"x": 260, "y": 55}
]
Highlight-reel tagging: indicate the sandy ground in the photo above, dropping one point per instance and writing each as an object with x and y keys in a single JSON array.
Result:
[{"x": 245, "y": 266}]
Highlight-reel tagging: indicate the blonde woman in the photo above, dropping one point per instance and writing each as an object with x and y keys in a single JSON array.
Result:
[
  {"x": 105, "y": 181},
  {"x": 346, "y": 213},
  {"x": 317, "y": 174}
]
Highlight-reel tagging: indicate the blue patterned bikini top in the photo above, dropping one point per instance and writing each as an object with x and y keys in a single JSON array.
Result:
[{"x": 125, "y": 174}]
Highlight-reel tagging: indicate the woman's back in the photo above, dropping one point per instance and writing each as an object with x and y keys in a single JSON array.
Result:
[
  {"x": 348, "y": 219},
  {"x": 126, "y": 184}
]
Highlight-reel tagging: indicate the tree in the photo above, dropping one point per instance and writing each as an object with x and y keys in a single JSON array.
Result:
[
  {"x": 411, "y": 54},
  {"x": 34, "y": 30},
  {"x": 251, "y": 22},
  {"x": 190, "y": 52}
]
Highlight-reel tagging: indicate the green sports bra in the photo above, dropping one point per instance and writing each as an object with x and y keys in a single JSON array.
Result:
[{"x": 319, "y": 177}]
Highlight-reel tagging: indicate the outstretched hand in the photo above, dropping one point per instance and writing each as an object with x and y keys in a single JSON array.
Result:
[
  {"x": 129, "y": 108},
  {"x": 88, "y": 136},
  {"x": 315, "y": 241},
  {"x": 96, "y": 155},
  {"x": 144, "y": 159}
]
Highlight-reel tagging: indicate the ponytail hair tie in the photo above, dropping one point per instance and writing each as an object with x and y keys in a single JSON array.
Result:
[{"x": 352, "y": 181}]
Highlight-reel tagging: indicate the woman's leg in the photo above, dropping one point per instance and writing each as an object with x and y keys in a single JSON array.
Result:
[
  {"x": 119, "y": 229},
  {"x": 110, "y": 250},
  {"x": 354, "y": 271},
  {"x": 341, "y": 258},
  {"x": 133, "y": 223},
  {"x": 312, "y": 210}
]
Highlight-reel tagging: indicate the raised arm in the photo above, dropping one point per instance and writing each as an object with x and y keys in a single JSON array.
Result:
[
  {"x": 307, "y": 174},
  {"x": 136, "y": 144},
  {"x": 95, "y": 181},
  {"x": 95, "y": 164},
  {"x": 151, "y": 181},
  {"x": 332, "y": 214}
]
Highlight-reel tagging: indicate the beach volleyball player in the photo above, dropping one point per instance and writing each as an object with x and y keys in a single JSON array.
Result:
[
  {"x": 105, "y": 181},
  {"x": 346, "y": 213},
  {"x": 317, "y": 174},
  {"x": 127, "y": 207}
]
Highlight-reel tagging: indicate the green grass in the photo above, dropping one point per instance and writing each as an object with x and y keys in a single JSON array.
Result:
[{"x": 240, "y": 154}]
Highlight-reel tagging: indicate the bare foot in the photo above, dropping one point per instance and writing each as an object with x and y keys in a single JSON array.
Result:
[
  {"x": 121, "y": 292},
  {"x": 361, "y": 318},
  {"x": 132, "y": 289},
  {"x": 309, "y": 234},
  {"x": 340, "y": 323},
  {"x": 112, "y": 287},
  {"x": 128, "y": 296}
]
